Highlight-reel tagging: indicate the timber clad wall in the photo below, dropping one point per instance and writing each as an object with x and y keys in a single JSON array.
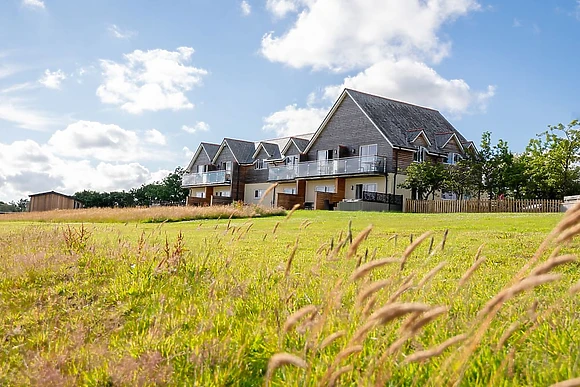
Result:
[
  {"x": 350, "y": 127},
  {"x": 52, "y": 201},
  {"x": 254, "y": 175},
  {"x": 202, "y": 159}
]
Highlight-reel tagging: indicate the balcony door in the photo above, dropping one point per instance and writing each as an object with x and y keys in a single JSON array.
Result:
[
  {"x": 367, "y": 157},
  {"x": 324, "y": 165}
]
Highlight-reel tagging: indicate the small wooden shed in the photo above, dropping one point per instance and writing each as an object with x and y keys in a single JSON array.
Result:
[{"x": 47, "y": 201}]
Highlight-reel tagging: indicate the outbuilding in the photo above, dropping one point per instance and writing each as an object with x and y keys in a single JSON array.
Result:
[{"x": 47, "y": 201}]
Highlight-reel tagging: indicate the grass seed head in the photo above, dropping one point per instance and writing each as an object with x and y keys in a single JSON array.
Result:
[
  {"x": 295, "y": 317},
  {"x": 363, "y": 270},
  {"x": 280, "y": 359}
]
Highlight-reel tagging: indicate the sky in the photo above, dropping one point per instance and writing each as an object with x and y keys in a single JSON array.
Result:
[{"x": 108, "y": 95}]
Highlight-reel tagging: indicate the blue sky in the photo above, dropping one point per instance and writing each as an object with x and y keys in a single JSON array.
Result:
[{"x": 111, "y": 94}]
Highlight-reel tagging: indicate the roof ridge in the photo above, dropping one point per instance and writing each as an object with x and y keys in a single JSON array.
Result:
[{"x": 392, "y": 100}]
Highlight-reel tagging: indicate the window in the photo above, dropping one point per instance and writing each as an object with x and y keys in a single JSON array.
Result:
[
  {"x": 371, "y": 187},
  {"x": 223, "y": 194},
  {"x": 453, "y": 158},
  {"x": 324, "y": 188},
  {"x": 419, "y": 155},
  {"x": 261, "y": 164},
  {"x": 201, "y": 168},
  {"x": 199, "y": 194},
  {"x": 367, "y": 156},
  {"x": 290, "y": 191},
  {"x": 258, "y": 193},
  {"x": 292, "y": 160},
  {"x": 324, "y": 155}
]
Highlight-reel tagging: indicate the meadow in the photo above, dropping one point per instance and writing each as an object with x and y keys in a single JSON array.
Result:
[{"x": 314, "y": 298}]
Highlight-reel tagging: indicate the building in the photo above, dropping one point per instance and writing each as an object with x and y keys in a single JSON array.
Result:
[
  {"x": 359, "y": 152},
  {"x": 47, "y": 201}
]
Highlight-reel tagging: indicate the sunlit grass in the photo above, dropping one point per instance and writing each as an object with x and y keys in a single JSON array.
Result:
[{"x": 208, "y": 302}]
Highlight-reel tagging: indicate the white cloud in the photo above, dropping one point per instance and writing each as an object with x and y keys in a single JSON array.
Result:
[
  {"x": 246, "y": 8},
  {"x": 34, "y": 4},
  {"x": 294, "y": 120},
  {"x": 188, "y": 154},
  {"x": 280, "y": 8},
  {"x": 198, "y": 127},
  {"x": 343, "y": 35},
  {"x": 153, "y": 136},
  {"x": 29, "y": 167},
  {"x": 417, "y": 83},
  {"x": 19, "y": 87},
  {"x": 119, "y": 33},
  {"x": 52, "y": 79},
  {"x": 517, "y": 23},
  {"x": 23, "y": 116},
  {"x": 106, "y": 142},
  {"x": 150, "y": 80}
]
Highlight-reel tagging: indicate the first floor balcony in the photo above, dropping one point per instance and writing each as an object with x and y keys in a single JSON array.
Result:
[
  {"x": 206, "y": 178},
  {"x": 335, "y": 167}
]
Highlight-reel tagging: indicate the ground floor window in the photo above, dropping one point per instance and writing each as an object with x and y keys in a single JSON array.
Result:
[
  {"x": 258, "y": 193},
  {"x": 199, "y": 194},
  {"x": 290, "y": 191},
  {"x": 223, "y": 193}
]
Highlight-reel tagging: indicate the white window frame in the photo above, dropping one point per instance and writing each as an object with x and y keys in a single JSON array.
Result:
[
  {"x": 370, "y": 187},
  {"x": 453, "y": 158},
  {"x": 201, "y": 168},
  {"x": 200, "y": 194},
  {"x": 419, "y": 155},
  {"x": 289, "y": 191},
  {"x": 258, "y": 193}
]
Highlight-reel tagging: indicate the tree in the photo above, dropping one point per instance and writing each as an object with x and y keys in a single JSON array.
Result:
[
  {"x": 552, "y": 162},
  {"x": 425, "y": 178}
]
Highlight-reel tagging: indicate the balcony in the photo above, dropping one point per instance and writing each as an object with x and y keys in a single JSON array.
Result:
[
  {"x": 336, "y": 167},
  {"x": 206, "y": 178}
]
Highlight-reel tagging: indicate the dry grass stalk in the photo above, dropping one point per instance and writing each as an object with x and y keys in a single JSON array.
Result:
[
  {"x": 431, "y": 274},
  {"x": 467, "y": 275},
  {"x": 552, "y": 263},
  {"x": 330, "y": 339},
  {"x": 506, "y": 335},
  {"x": 369, "y": 290},
  {"x": 336, "y": 374},
  {"x": 568, "y": 383},
  {"x": 427, "y": 354},
  {"x": 406, "y": 285},
  {"x": 409, "y": 250},
  {"x": 296, "y": 206},
  {"x": 267, "y": 192},
  {"x": 305, "y": 224},
  {"x": 280, "y": 359},
  {"x": 370, "y": 305},
  {"x": 363, "y": 270},
  {"x": 290, "y": 259},
  {"x": 275, "y": 227},
  {"x": 525, "y": 284},
  {"x": 574, "y": 289},
  {"x": 427, "y": 317},
  {"x": 294, "y": 318},
  {"x": 392, "y": 311},
  {"x": 347, "y": 352},
  {"x": 358, "y": 240}
]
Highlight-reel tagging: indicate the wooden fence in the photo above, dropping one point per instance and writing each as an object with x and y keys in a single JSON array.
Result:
[{"x": 506, "y": 205}]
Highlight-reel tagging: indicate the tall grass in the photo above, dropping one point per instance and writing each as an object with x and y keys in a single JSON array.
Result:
[
  {"x": 262, "y": 302},
  {"x": 144, "y": 214}
]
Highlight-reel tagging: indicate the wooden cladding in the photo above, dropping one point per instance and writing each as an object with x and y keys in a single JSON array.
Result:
[
  {"x": 53, "y": 201},
  {"x": 479, "y": 206}
]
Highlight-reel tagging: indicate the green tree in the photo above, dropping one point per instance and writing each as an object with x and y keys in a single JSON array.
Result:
[{"x": 425, "y": 178}]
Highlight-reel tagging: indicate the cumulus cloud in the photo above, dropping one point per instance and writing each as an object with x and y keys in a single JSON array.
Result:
[
  {"x": 386, "y": 47},
  {"x": 34, "y": 4},
  {"x": 246, "y": 8},
  {"x": 153, "y": 136},
  {"x": 347, "y": 34},
  {"x": 415, "y": 82},
  {"x": 29, "y": 167},
  {"x": 52, "y": 79},
  {"x": 294, "y": 120},
  {"x": 198, "y": 127},
  {"x": 116, "y": 32},
  {"x": 150, "y": 80},
  {"x": 106, "y": 142}
]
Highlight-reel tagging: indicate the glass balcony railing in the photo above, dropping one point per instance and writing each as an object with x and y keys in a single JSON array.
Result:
[
  {"x": 215, "y": 177},
  {"x": 343, "y": 166}
]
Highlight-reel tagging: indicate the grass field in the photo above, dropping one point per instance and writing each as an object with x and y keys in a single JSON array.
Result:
[{"x": 214, "y": 302}]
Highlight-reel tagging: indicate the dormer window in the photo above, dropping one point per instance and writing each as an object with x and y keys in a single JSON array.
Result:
[
  {"x": 419, "y": 155},
  {"x": 261, "y": 164},
  {"x": 453, "y": 158}
]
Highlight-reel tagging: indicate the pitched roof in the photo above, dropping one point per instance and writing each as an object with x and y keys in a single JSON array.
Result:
[
  {"x": 399, "y": 120},
  {"x": 241, "y": 149},
  {"x": 210, "y": 149},
  {"x": 55, "y": 193}
]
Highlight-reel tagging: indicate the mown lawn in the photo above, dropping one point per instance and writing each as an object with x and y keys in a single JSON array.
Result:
[{"x": 207, "y": 302}]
